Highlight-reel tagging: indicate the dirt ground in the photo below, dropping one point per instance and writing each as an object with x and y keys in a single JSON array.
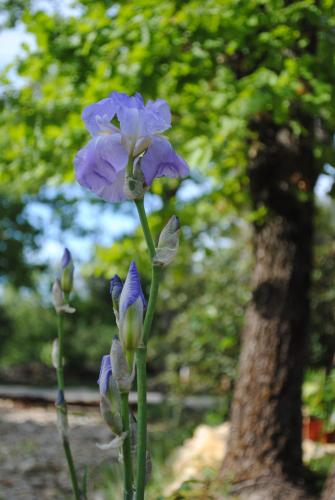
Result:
[{"x": 32, "y": 465}]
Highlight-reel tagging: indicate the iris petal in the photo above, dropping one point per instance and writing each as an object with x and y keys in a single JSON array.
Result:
[
  {"x": 95, "y": 113},
  {"x": 161, "y": 160},
  {"x": 100, "y": 167},
  {"x": 157, "y": 117}
]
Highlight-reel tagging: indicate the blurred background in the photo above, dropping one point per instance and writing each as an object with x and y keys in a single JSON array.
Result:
[{"x": 219, "y": 64}]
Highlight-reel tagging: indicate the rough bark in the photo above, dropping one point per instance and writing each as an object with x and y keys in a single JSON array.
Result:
[
  {"x": 265, "y": 442},
  {"x": 329, "y": 489}
]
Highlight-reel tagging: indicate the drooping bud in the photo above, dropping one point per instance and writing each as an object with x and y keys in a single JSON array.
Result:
[
  {"x": 115, "y": 289},
  {"x": 168, "y": 243},
  {"x": 131, "y": 310},
  {"x": 67, "y": 271},
  {"x": 121, "y": 372},
  {"x": 58, "y": 299},
  {"x": 134, "y": 187}
]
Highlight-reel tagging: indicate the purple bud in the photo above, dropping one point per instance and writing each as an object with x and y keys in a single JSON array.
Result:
[
  {"x": 66, "y": 259},
  {"x": 115, "y": 288},
  {"x": 67, "y": 271},
  {"x": 132, "y": 305},
  {"x": 105, "y": 375}
]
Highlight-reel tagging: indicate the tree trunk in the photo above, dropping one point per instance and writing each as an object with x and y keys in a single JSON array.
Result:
[
  {"x": 264, "y": 451},
  {"x": 329, "y": 489}
]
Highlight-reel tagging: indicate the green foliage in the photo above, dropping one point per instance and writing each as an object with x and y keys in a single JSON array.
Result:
[
  {"x": 17, "y": 238},
  {"x": 319, "y": 396},
  {"x": 322, "y": 340},
  {"x": 220, "y": 64}
]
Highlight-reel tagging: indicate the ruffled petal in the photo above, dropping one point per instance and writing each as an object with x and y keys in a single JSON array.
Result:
[
  {"x": 123, "y": 100},
  {"x": 157, "y": 117},
  {"x": 114, "y": 192},
  {"x": 98, "y": 116},
  {"x": 109, "y": 148},
  {"x": 131, "y": 122},
  {"x": 161, "y": 160},
  {"x": 100, "y": 167}
]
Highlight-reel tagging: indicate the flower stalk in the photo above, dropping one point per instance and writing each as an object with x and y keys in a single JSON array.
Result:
[
  {"x": 141, "y": 359},
  {"x": 62, "y": 410},
  {"x": 126, "y": 448}
]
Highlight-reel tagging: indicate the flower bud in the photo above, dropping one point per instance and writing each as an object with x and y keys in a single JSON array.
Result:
[
  {"x": 67, "y": 272},
  {"x": 121, "y": 372},
  {"x": 168, "y": 243},
  {"x": 110, "y": 398},
  {"x": 111, "y": 417},
  {"x": 132, "y": 304},
  {"x": 105, "y": 375},
  {"x": 115, "y": 289}
]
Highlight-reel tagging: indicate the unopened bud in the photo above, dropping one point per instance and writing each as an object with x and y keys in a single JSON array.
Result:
[
  {"x": 67, "y": 272},
  {"x": 132, "y": 304},
  {"x": 112, "y": 418},
  {"x": 168, "y": 243},
  {"x": 121, "y": 372},
  {"x": 115, "y": 289}
]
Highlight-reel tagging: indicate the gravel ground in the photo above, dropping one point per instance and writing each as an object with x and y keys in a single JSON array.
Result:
[{"x": 32, "y": 465}]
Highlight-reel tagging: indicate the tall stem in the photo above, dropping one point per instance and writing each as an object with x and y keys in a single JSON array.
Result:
[
  {"x": 126, "y": 448},
  {"x": 145, "y": 226},
  {"x": 141, "y": 357},
  {"x": 62, "y": 410}
]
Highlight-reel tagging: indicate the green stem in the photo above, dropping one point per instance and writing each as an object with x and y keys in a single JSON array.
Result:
[
  {"x": 61, "y": 407},
  {"x": 145, "y": 226},
  {"x": 126, "y": 448},
  {"x": 141, "y": 358}
]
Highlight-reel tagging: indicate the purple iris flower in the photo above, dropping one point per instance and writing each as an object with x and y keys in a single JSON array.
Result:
[
  {"x": 101, "y": 165},
  {"x": 131, "y": 310},
  {"x": 105, "y": 374}
]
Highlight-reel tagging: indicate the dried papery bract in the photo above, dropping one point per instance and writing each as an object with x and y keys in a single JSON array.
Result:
[{"x": 168, "y": 243}]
